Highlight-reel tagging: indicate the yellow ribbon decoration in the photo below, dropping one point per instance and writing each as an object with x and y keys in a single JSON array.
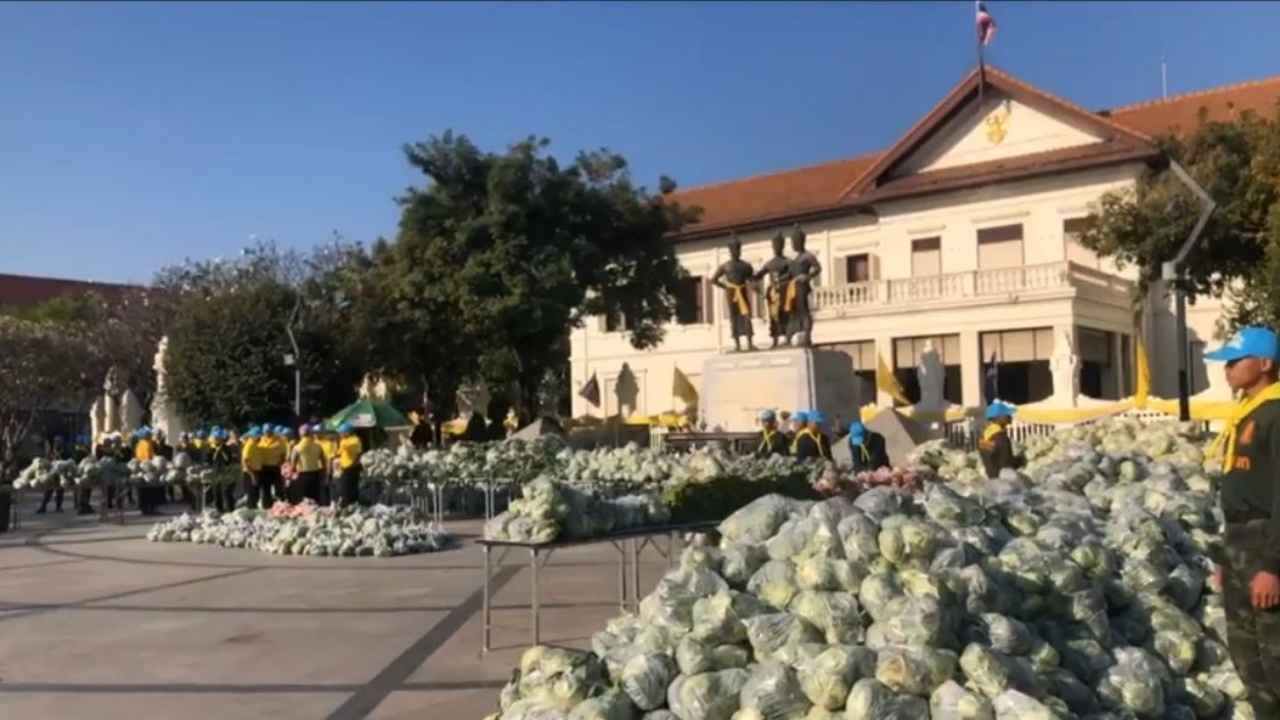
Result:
[
  {"x": 739, "y": 299},
  {"x": 1224, "y": 444},
  {"x": 792, "y": 292}
]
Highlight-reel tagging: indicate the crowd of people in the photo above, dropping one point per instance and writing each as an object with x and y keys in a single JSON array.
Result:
[{"x": 273, "y": 463}]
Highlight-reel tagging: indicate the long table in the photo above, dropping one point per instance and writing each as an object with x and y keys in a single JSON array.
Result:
[{"x": 627, "y": 542}]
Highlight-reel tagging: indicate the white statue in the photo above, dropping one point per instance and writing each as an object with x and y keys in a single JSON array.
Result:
[
  {"x": 164, "y": 414},
  {"x": 931, "y": 375},
  {"x": 97, "y": 419},
  {"x": 111, "y": 403},
  {"x": 130, "y": 412},
  {"x": 1065, "y": 368}
]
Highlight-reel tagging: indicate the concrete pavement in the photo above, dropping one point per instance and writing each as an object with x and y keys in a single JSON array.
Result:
[{"x": 97, "y": 622}]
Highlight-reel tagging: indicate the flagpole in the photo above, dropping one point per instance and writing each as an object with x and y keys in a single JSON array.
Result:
[{"x": 982, "y": 62}]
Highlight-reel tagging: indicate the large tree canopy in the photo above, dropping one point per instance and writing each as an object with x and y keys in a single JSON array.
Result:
[
  {"x": 228, "y": 339},
  {"x": 500, "y": 255},
  {"x": 1238, "y": 165}
]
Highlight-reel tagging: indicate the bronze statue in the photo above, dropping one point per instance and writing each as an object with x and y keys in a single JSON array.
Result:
[
  {"x": 735, "y": 276},
  {"x": 797, "y": 302},
  {"x": 778, "y": 268}
]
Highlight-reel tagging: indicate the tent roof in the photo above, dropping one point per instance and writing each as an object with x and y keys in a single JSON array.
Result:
[{"x": 541, "y": 427}]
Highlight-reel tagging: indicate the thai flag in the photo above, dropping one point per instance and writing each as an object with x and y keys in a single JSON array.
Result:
[
  {"x": 986, "y": 24},
  {"x": 991, "y": 380}
]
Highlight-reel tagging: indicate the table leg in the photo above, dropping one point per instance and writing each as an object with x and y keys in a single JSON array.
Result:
[
  {"x": 484, "y": 646},
  {"x": 622, "y": 576},
  {"x": 635, "y": 573},
  {"x": 533, "y": 557}
]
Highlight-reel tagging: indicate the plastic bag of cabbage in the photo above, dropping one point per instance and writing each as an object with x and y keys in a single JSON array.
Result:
[
  {"x": 378, "y": 531},
  {"x": 549, "y": 511},
  {"x": 1027, "y": 597},
  {"x": 89, "y": 472}
]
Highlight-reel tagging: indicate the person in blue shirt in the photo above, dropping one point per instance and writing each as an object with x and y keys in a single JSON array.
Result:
[{"x": 867, "y": 448}]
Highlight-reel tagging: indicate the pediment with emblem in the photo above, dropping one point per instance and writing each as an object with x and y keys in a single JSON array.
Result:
[{"x": 992, "y": 121}]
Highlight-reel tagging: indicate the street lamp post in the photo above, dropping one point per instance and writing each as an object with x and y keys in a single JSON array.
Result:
[
  {"x": 1172, "y": 272},
  {"x": 295, "y": 359}
]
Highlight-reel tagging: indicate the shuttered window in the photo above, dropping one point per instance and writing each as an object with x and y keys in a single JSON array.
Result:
[
  {"x": 1000, "y": 247},
  {"x": 906, "y": 351},
  {"x": 926, "y": 257},
  {"x": 1018, "y": 345}
]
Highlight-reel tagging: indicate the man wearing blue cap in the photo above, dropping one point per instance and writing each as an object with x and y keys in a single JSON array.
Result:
[
  {"x": 995, "y": 447},
  {"x": 867, "y": 448},
  {"x": 1248, "y": 567},
  {"x": 772, "y": 440},
  {"x": 809, "y": 442}
]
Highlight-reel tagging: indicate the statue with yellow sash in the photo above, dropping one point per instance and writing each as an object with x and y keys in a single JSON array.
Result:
[
  {"x": 778, "y": 268},
  {"x": 796, "y": 301},
  {"x": 736, "y": 276}
]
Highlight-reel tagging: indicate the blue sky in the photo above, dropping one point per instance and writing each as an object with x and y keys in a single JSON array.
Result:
[{"x": 134, "y": 135}]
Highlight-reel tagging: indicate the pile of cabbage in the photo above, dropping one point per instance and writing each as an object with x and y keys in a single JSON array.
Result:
[
  {"x": 1078, "y": 590},
  {"x": 377, "y": 531},
  {"x": 90, "y": 472},
  {"x": 548, "y": 511},
  {"x": 605, "y": 471}
]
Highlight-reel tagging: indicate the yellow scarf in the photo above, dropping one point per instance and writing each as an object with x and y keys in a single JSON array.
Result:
[
  {"x": 991, "y": 431},
  {"x": 1224, "y": 445},
  {"x": 739, "y": 300}
]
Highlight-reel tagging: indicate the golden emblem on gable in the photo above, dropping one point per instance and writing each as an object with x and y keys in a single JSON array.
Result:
[{"x": 997, "y": 126}]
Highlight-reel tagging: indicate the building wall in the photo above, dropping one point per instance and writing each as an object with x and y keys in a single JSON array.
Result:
[{"x": 1044, "y": 291}]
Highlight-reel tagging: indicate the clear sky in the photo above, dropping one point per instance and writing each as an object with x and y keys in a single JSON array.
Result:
[{"x": 134, "y": 135}]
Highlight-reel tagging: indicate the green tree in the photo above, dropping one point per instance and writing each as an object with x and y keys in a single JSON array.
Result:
[
  {"x": 500, "y": 255},
  {"x": 228, "y": 339},
  {"x": 1238, "y": 165}
]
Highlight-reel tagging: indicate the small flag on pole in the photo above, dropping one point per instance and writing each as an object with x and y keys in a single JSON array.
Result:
[
  {"x": 682, "y": 387},
  {"x": 887, "y": 383},
  {"x": 991, "y": 389},
  {"x": 986, "y": 24},
  {"x": 591, "y": 391},
  {"x": 1142, "y": 381}
]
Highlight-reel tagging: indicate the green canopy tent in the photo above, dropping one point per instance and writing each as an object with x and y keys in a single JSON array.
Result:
[{"x": 366, "y": 414}]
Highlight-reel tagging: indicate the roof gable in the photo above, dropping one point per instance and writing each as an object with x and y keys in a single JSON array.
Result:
[
  {"x": 780, "y": 198},
  {"x": 958, "y": 119}
]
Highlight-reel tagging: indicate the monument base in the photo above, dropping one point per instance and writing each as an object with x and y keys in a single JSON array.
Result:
[{"x": 737, "y": 387}]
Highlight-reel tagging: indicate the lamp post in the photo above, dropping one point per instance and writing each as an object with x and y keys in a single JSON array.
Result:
[
  {"x": 294, "y": 359},
  {"x": 1172, "y": 272}
]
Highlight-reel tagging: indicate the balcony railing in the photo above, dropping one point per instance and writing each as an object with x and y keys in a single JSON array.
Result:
[{"x": 974, "y": 284}]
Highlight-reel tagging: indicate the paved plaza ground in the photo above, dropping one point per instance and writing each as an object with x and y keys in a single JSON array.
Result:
[{"x": 96, "y": 622}]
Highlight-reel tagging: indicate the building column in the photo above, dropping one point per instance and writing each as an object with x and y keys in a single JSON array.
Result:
[{"x": 971, "y": 362}]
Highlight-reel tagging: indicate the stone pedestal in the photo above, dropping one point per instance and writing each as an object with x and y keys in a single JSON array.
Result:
[{"x": 737, "y": 388}]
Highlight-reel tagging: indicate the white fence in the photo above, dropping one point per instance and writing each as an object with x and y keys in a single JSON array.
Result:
[{"x": 964, "y": 433}]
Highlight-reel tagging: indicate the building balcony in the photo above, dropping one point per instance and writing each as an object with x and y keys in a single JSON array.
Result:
[{"x": 1049, "y": 281}]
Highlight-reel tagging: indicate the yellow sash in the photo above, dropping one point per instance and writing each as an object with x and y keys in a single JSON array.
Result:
[
  {"x": 766, "y": 440},
  {"x": 795, "y": 441},
  {"x": 991, "y": 431},
  {"x": 1224, "y": 445},
  {"x": 792, "y": 291},
  {"x": 739, "y": 299}
]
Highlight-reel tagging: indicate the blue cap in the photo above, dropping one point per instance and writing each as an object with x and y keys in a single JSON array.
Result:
[
  {"x": 814, "y": 416},
  {"x": 800, "y": 416},
  {"x": 317, "y": 428},
  {"x": 286, "y": 432},
  {"x": 857, "y": 433},
  {"x": 345, "y": 428},
  {"x": 254, "y": 433},
  {"x": 1248, "y": 342},
  {"x": 201, "y": 433},
  {"x": 143, "y": 432},
  {"x": 768, "y": 416},
  {"x": 999, "y": 409}
]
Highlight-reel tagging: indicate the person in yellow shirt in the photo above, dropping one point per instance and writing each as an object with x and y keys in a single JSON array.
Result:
[
  {"x": 308, "y": 458},
  {"x": 329, "y": 445},
  {"x": 349, "y": 451},
  {"x": 143, "y": 450},
  {"x": 271, "y": 455},
  {"x": 251, "y": 466}
]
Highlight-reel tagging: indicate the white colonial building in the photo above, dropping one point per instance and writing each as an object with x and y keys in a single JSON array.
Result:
[{"x": 961, "y": 234}]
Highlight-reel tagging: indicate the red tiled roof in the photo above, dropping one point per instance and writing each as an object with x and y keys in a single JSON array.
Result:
[
  {"x": 25, "y": 290},
  {"x": 836, "y": 187}
]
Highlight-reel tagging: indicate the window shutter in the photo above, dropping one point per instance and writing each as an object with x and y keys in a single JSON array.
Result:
[
  {"x": 840, "y": 271},
  {"x": 706, "y": 313},
  {"x": 873, "y": 267}
]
